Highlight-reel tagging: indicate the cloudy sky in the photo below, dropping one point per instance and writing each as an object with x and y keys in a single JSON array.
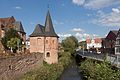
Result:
[{"x": 81, "y": 18}]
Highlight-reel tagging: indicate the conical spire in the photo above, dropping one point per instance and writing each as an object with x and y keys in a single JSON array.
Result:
[
  {"x": 38, "y": 31},
  {"x": 49, "y": 30}
]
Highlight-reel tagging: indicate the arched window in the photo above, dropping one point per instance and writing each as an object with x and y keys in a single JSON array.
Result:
[{"x": 48, "y": 54}]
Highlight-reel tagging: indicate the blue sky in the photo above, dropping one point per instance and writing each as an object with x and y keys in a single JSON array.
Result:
[{"x": 81, "y": 18}]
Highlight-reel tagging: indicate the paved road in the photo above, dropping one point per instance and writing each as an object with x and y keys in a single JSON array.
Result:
[
  {"x": 71, "y": 73},
  {"x": 111, "y": 58},
  {"x": 92, "y": 55}
]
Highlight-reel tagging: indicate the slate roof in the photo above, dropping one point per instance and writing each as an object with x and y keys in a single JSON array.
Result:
[
  {"x": 115, "y": 31},
  {"x": 38, "y": 31},
  {"x": 112, "y": 35},
  {"x": 47, "y": 30},
  {"x": 18, "y": 26},
  {"x": 7, "y": 20}
]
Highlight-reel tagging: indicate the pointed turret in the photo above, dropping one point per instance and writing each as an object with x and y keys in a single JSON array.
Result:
[
  {"x": 38, "y": 31},
  {"x": 49, "y": 30}
]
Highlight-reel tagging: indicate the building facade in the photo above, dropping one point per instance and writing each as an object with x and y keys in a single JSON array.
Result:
[
  {"x": 6, "y": 24},
  {"x": 117, "y": 44},
  {"x": 45, "y": 40},
  {"x": 110, "y": 41},
  {"x": 94, "y": 45}
]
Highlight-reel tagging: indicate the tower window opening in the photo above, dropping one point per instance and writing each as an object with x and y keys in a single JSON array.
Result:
[{"x": 48, "y": 54}]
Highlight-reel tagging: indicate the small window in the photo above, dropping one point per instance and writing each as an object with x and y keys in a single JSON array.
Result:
[
  {"x": 118, "y": 49},
  {"x": 48, "y": 54},
  {"x": 53, "y": 41}
]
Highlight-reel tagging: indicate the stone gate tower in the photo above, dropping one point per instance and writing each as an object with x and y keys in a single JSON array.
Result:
[{"x": 45, "y": 40}]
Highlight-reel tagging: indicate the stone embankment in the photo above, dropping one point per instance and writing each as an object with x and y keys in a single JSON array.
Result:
[{"x": 14, "y": 67}]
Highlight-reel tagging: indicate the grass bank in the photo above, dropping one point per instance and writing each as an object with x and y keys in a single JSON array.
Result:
[{"x": 50, "y": 72}]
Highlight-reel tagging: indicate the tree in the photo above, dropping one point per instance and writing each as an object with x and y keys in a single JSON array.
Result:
[
  {"x": 11, "y": 39},
  {"x": 70, "y": 44}
]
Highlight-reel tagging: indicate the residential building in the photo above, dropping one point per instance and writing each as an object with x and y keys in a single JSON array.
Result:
[
  {"x": 117, "y": 44},
  {"x": 110, "y": 41},
  {"x": 6, "y": 24},
  {"x": 94, "y": 45},
  {"x": 28, "y": 43},
  {"x": 45, "y": 40}
]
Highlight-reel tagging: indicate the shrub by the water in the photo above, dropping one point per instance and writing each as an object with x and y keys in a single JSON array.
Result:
[{"x": 93, "y": 70}]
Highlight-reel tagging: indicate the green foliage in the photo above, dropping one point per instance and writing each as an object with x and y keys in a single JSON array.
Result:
[
  {"x": 70, "y": 44},
  {"x": 12, "y": 43},
  {"x": 50, "y": 72},
  {"x": 99, "y": 71},
  {"x": 10, "y": 39}
]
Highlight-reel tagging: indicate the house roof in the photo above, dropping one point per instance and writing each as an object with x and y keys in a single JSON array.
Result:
[
  {"x": 118, "y": 34},
  {"x": 49, "y": 30},
  {"x": 98, "y": 40},
  {"x": 112, "y": 35},
  {"x": 7, "y": 20},
  {"x": 88, "y": 40},
  {"x": 18, "y": 26},
  {"x": 38, "y": 31},
  {"x": 115, "y": 31}
]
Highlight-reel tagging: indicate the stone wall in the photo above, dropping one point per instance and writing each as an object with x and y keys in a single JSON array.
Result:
[{"x": 14, "y": 67}]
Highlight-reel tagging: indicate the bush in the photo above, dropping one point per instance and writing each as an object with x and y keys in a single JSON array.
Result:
[
  {"x": 93, "y": 70},
  {"x": 49, "y": 72}
]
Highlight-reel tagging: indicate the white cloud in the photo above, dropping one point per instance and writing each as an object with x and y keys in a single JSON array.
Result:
[
  {"x": 18, "y": 7},
  {"x": 96, "y": 4},
  {"x": 116, "y": 10},
  {"x": 79, "y": 35},
  {"x": 78, "y": 2},
  {"x": 108, "y": 19},
  {"x": 86, "y": 35},
  {"x": 77, "y": 30},
  {"x": 64, "y": 35},
  {"x": 95, "y": 35}
]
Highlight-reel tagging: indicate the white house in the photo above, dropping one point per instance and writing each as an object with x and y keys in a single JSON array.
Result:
[{"x": 94, "y": 43}]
